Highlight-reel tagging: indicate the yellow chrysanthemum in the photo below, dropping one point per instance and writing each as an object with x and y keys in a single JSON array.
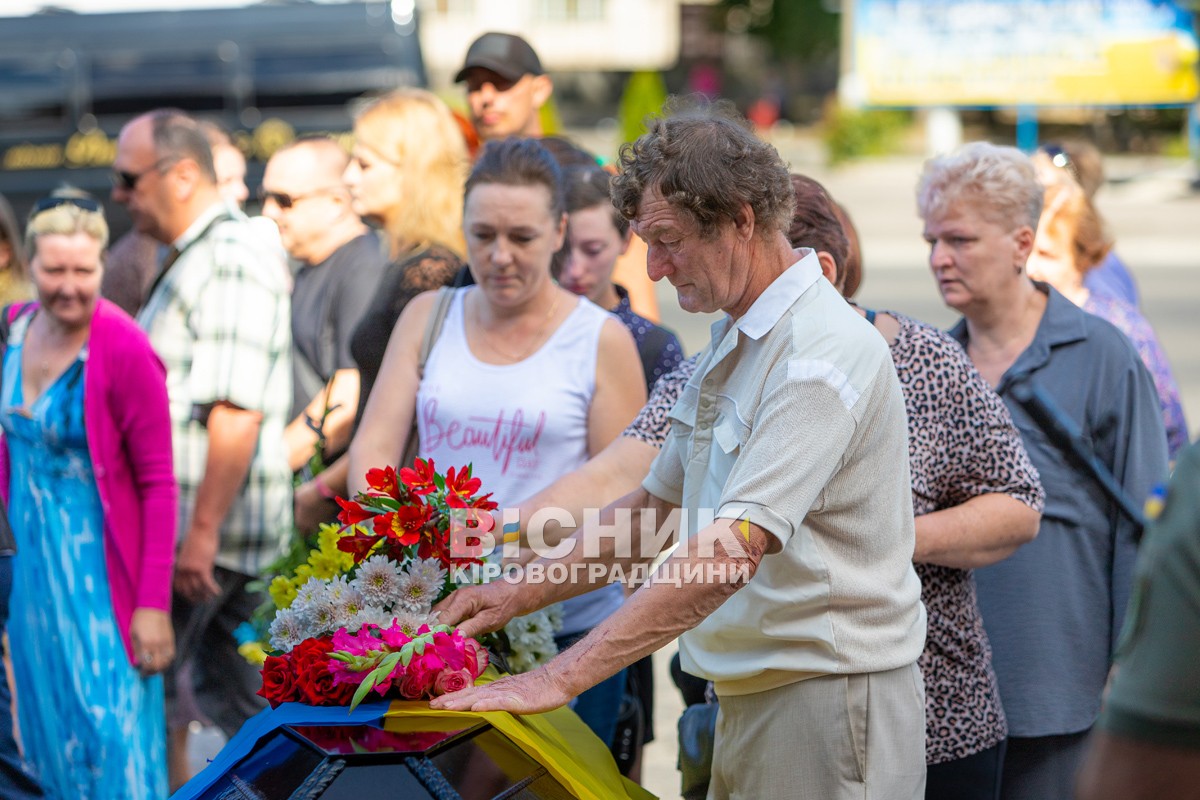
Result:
[
  {"x": 324, "y": 566},
  {"x": 282, "y": 591}
]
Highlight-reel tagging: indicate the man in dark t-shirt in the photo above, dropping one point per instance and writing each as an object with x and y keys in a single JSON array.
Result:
[{"x": 339, "y": 264}]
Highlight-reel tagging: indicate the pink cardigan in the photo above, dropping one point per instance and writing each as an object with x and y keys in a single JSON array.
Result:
[{"x": 129, "y": 438}]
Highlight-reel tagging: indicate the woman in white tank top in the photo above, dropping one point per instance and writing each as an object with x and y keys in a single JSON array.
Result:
[{"x": 526, "y": 381}]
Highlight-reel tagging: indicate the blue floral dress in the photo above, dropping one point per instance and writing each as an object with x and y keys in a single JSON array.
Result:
[{"x": 92, "y": 727}]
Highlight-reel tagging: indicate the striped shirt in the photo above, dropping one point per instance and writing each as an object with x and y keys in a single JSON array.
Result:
[{"x": 219, "y": 318}]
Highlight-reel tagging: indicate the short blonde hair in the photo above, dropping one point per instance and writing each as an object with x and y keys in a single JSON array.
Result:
[
  {"x": 66, "y": 219},
  {"x": 416, "y": 132},
  {"x": 1000, "y": 180}
]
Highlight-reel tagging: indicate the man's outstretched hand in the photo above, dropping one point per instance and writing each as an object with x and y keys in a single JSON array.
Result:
[
  {"x": 531, "y": 693},
  {"x": 481, "y": 609}
]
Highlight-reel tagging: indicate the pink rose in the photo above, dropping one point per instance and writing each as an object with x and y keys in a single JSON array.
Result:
[
  {"x": 416, "y": 682},
  {"x": 452, "y": 681},
  {"x": 476, "y": 657}
]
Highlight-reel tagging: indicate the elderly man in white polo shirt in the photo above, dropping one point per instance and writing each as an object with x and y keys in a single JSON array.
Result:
[{"x": 790, "y": 439}]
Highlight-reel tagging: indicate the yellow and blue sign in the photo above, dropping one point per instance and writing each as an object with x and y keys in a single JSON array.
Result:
[{"x": 1024, "y": 52}]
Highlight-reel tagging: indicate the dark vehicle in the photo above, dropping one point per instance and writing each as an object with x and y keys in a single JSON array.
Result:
[{"x": 267, "y": 73}]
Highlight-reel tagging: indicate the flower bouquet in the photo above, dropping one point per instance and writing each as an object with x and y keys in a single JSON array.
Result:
[{"x": 357, "y": 616}]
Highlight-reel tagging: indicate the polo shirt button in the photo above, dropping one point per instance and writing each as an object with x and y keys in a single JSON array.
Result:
[
  {"x": 706, "y": 403},
  {"x": 703, "y": 426}
]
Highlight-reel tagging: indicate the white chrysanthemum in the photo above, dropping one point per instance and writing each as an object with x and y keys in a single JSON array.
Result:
[
  {"x": 351, "y": 603},
  {"x": 429, "y": 569},
  {"x": 287, "y": 630},
  {"x": 416, "y": 593},
  {"x": 531, "y": 638},
  {"x": 312, "y": 592},
  {"x": 336, "y": 588},
  {"x": 322, "y": 618},
  {"x": 368, "y": 615},
  {"x": 378, "y": 580},
  {"x": 554, "y": 614}
]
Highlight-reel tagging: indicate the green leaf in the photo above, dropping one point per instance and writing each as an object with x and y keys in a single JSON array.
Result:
[
  {"x": 367, "y": 685},
  {"x": 406, "y": 654},
  {"x": 439, "y": 481},
  {"x": 419, "y": 645}
]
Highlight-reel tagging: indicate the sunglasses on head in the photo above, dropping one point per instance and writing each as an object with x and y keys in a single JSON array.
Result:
[
  {"x": 1061, "y": 159},
  {"x": 47, "y": 203}
]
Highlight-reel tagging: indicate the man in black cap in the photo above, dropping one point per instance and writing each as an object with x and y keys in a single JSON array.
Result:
[{"x": 506, "y": 86}]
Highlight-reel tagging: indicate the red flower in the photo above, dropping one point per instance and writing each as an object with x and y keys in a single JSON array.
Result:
[
  {"x": 358, "y": 544},
  {"x": 352, "y": 513},
  {"x": 419, "y": 479},
  {"x": 314, "y": 681},
  {"x": 405, "y": 524},
  {"x": 279, "y": 681},
  {"x": 485, "y": 503},
  {"x": 384, "y": 481},
  {"x": 462, "y": 483}
]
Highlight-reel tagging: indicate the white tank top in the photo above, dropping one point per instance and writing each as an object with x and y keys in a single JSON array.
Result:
[{"x": 521, "y": 426}]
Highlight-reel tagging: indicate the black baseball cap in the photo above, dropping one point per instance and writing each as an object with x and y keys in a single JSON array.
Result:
[{"x": 505, "y": 54}]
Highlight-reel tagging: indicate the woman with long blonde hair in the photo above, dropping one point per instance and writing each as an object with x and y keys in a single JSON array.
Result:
[{"x": 406, "y": 175}]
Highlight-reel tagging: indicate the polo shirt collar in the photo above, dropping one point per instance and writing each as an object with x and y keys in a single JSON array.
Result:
[
  {"x": 781, "y": 295},
  {"x": 766, "y": 311},
  {"x": 1062, "y": 323}
]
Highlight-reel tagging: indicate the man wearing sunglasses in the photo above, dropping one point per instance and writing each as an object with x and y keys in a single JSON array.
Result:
[
  {"x": 339, "y": 262},
  {"x": 218, "y": 316}
]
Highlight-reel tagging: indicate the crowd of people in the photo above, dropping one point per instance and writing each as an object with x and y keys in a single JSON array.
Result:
[{"x": 925, "y": 587}]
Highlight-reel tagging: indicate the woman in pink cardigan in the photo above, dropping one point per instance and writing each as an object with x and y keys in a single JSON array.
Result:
[{"x": 86, "y": 466}]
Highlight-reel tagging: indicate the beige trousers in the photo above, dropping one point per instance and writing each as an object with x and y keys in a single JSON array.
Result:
[{"x": 834, "y": 737}]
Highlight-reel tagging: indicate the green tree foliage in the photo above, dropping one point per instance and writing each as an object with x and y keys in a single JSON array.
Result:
[
  {"x": 644, "y": 96},
  {"x": 795, "y": 30}
]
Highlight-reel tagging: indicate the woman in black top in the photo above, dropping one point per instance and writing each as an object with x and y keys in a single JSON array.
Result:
[{"x": 406, "y": 175}]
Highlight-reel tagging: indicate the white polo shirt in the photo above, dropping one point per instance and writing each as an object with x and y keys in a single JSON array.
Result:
[{"x": 795, "y": 420}]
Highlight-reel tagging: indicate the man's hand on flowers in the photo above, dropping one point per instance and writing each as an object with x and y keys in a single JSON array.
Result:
[
  {"x": 531, "y": 693},
  {"x": 482, "y": 609}
]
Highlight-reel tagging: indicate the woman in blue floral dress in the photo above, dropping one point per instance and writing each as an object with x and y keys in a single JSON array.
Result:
[{"x": 91, "y": 715}]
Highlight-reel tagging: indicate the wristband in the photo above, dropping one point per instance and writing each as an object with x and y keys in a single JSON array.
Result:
[{"x": 323, "y": 489}]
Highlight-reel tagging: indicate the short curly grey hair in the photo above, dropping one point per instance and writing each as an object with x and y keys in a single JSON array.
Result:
[
  {"x": 706, "y": 163},
  {"x": 1002, "y": 180}
]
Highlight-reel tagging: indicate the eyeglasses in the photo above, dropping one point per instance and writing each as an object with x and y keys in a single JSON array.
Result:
[
  {"x": 286, "y": 201},
  {"x": 1060, "y": 158},
  {"x": 47, "y": 203},
  {"x": 128, "y": 181}
]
